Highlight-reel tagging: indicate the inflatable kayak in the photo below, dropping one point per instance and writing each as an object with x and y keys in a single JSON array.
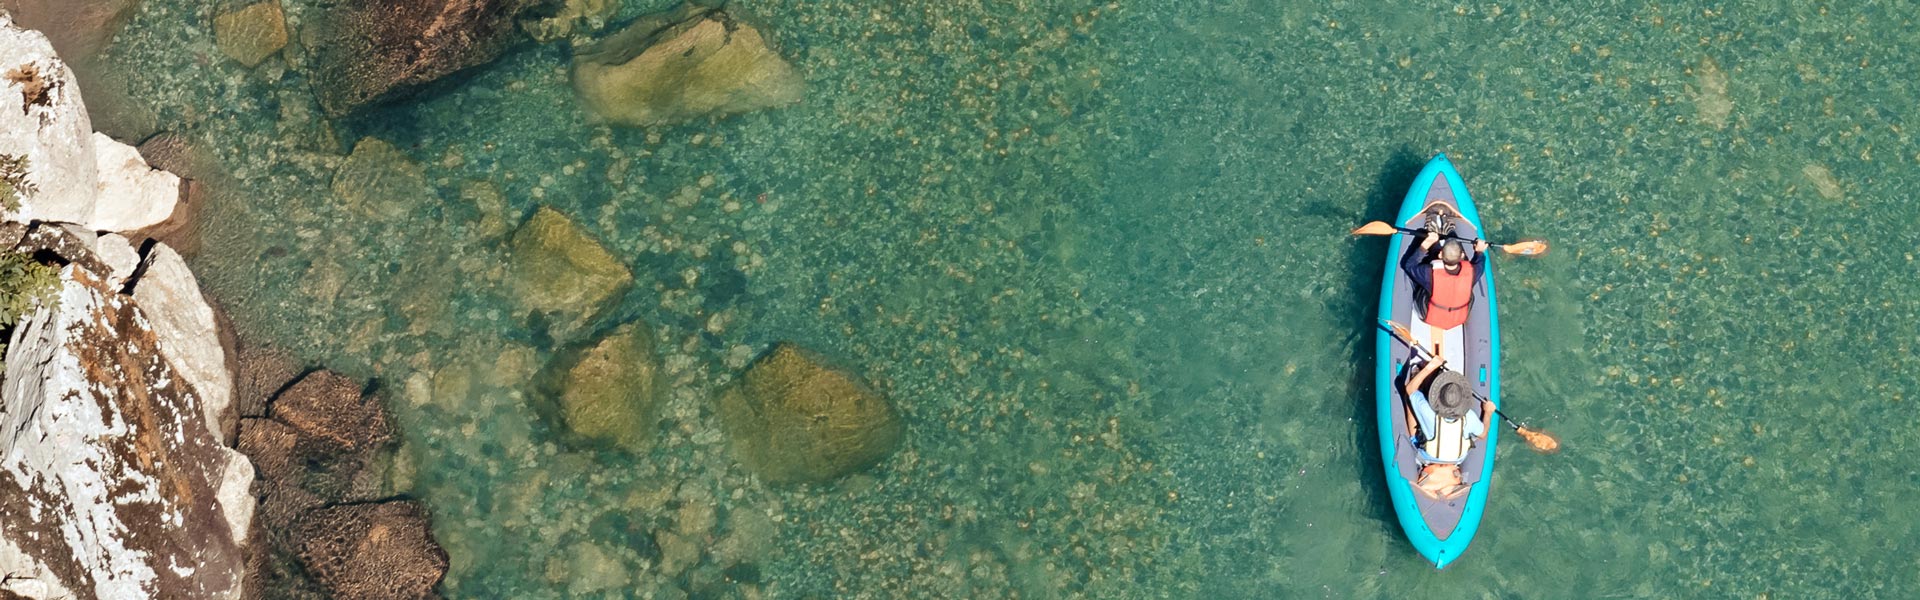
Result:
[{"x": 1438, "y": 528}]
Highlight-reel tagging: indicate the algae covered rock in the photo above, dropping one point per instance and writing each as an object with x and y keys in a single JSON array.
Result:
[
  {"x": 610, "y": 393},
  {"x": 251, "y": 34},
  {"x": 794, "y": 418},
  {"x": 681, "y": 65},
  {"x": 559, "y": 271}
]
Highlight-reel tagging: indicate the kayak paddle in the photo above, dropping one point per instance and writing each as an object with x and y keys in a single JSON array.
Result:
[
  {"x": 1540, "y": 441},
  {"x": 1520, "y": 248}
]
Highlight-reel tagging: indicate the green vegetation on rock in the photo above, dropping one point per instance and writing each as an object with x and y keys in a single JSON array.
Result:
[
  {"x": 13, "y": 181},
  {"x": 24, "y": 284}
]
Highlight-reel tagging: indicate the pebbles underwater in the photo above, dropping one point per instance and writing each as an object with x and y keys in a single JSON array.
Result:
[{"x": 1094, "y": 256}]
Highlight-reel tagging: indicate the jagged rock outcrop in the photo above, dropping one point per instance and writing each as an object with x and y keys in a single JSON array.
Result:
[
  {"x": 188, "y": 334},
  {"x": 795, "y": 418},
  {"x": 73, "y": 175},
  {"x": 43, "y": 120},
  {"x": 681, "y": 65},
  {"x": 111, "y": 483},
  {"x": 369, "y": 50},
  {"x": 114, "y": 478}
]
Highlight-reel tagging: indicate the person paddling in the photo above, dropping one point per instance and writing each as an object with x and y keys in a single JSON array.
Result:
[
  {"x": 1440, "y": 424},
  {"x": 1447, "y": 283}
]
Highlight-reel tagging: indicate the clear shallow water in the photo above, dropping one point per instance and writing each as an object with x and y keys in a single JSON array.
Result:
[{"x": 1100, "y": 264}]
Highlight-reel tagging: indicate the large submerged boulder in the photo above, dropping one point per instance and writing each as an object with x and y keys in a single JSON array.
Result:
[
  {"x": 610, "y": 393},
  {"x": 111, "y": 483},
  {"x": 563, "y": 274},
  {"x": 369, "y": 50},
  {"x": 681, "y": 65},
  {"x": 794, "y": 418}
]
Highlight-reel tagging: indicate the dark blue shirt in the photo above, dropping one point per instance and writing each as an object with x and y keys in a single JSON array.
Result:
[{"x": 1419, "y": 264}]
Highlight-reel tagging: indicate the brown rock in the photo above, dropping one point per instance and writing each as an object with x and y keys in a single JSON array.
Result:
[
  {"x": 382, "y": 550},
  {"x": 793, "y": 418},
  {"x": 64, "y": 243},
  {"x": 260, "y": 372},
  {"x": 331, "y": 414},
  {"x": 370, "y": 50}
]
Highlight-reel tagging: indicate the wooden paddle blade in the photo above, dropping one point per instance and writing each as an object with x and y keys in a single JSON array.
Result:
[
  {"x": 1376, "y": 228},
  {"x": 1399, "y": 331},
  {"x": 1539, "y": 440},
  {"x": 1525, "y": 248}
]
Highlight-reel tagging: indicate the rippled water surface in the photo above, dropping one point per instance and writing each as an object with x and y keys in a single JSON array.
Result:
[{"x": 1097, "y": 256}]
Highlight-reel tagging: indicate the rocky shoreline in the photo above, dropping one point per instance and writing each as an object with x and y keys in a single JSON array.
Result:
[
  {"x": 118, "y": 472},
  {"x": 273, "y": 478}
]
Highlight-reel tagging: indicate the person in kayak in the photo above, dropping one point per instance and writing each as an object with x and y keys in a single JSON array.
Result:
[
  {"x": 1447, "y": 283},
  {"x": 1442, "y": 423}
]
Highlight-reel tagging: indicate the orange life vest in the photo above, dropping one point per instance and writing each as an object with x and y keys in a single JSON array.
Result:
[{"x": 1452, "y": 295}]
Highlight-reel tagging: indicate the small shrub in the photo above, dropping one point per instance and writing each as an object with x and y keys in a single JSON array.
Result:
[
  {"x": 13, "y": 182},
  {"x": 25, "y": 283}
]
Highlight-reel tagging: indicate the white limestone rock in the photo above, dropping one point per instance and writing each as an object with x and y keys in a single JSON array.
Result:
[
  {"x": 184, "y": 324},
  {"x": 117, "y": 253},
  {"x": 131, "y": 195},
  {"x": 111, "y": 483},
  {"x": 43, "y": 120}
]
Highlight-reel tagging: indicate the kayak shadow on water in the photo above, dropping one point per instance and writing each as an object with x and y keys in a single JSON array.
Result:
[{"x": 1365, "y": 259}]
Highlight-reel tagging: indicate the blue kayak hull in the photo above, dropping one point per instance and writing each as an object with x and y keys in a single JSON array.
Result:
[{"x": 1439, "y": 530}]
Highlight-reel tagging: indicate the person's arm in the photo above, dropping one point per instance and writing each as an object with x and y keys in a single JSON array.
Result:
[
  {"x": 1414, "y": 262},
  {"x": 1479, "y": 260},
  {"x": 1420, "y": 378},
  {"x": 1486, "y": 417}
]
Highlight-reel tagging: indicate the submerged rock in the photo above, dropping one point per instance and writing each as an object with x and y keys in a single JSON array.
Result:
[
  {"x": 681, "y": 65},
  {"x": 369, "y": 50},
  {"x": 559, "y": 271},
  {"x": 380, "y": 181},
  {"x": 610, "y": 393},
  {"x": 381, "y": 550},
  {"x": 564, "y": 18},
  {"x": 111, "y": 483},
  {"x": 78, "y": 29},
  {"x": 793, "y": 418},
  {"x": 251, "y": 34},
  {"x": 331, "y": 413}
]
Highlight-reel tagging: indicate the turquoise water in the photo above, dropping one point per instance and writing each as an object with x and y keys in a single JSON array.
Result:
[{"x": 1097, "y": 256}]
